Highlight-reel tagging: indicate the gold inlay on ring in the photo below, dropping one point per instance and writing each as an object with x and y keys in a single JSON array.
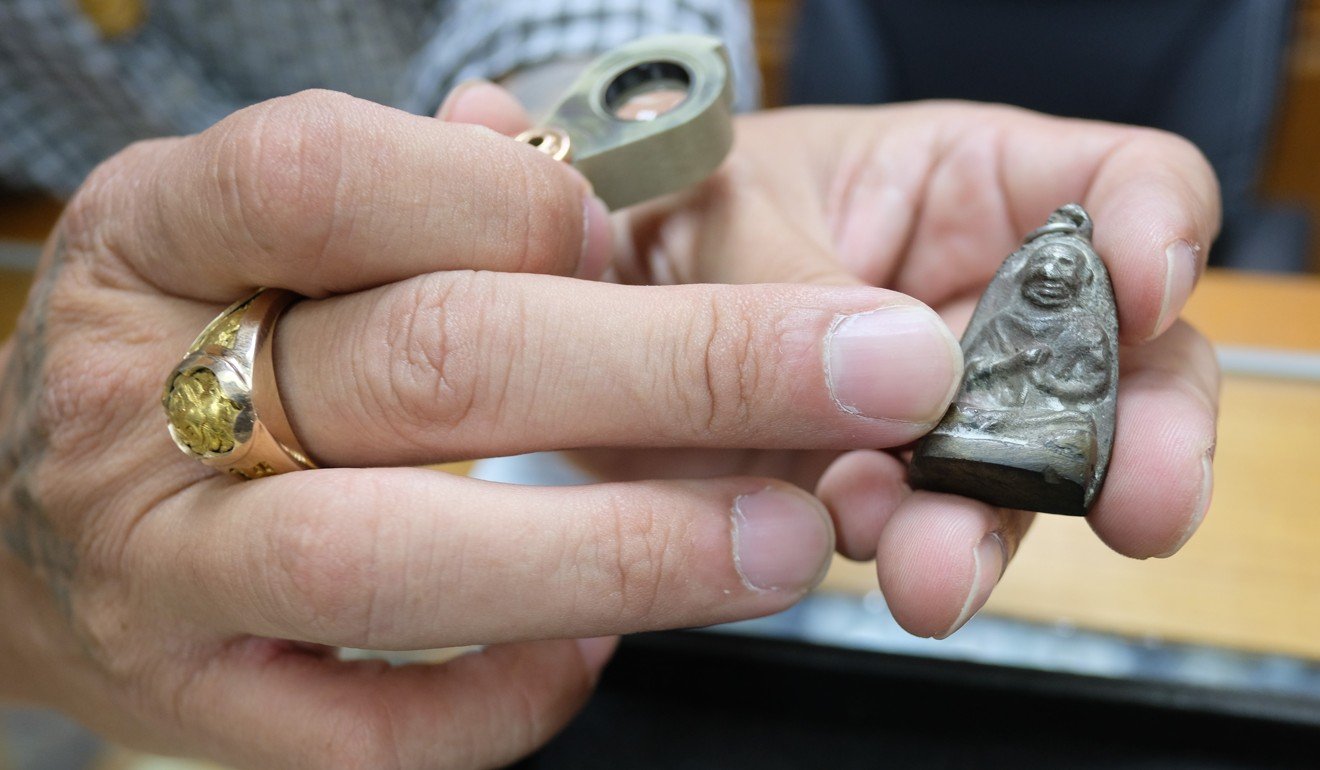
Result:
[{"x": 202, "y": 415}]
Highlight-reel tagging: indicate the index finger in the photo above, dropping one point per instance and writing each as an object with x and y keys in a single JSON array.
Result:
[
  {"x": 997, "y": 173},
  {"x": 1156, "y": 203},
  {"x": 322, "y": 193},
  {"x": 1160, "y": 479}
]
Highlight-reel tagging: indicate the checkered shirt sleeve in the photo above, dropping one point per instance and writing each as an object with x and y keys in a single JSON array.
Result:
[
  {"x": 71, "y": 97},
  {"x": 483, "y": 39}
]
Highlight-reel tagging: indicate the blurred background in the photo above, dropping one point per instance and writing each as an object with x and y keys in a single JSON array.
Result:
[
  {"x": 1223, "y": 640},
  {"x": 1240, "y": 78}
]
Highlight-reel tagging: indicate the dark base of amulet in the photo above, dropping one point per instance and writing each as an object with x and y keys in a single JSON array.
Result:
[{"x": 1000, "y": 472}]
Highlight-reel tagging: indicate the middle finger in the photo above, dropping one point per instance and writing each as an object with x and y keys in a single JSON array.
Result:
[{"x": 461, "y": 365}]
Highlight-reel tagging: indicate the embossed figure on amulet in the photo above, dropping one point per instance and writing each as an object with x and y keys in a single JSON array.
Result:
[{"x": 1032, "y": 426}]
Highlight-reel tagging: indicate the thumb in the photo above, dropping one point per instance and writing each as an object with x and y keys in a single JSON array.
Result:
[{"x": 483, "y": 103}]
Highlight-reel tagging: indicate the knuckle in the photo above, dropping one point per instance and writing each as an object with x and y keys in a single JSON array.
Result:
[
  {"x": 78, "y": 406},
  {"x": 322, "y": 574},
  {"x": 104, "y": 222},
  {"x": 102, "y": 191},
  {"x": 718, "y": 375},
  {"x": 542, "y": 214},
  {"x": 438, "y": 369},
  {"x": 643, "y": 552},
  {"x": 89, "y": 389},
  {"x": 278, "y": 169},
  {"x": 101, "y": 614}
]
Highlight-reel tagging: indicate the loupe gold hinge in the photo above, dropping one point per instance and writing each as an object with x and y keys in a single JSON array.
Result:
[{"x": 647, "y": 119}]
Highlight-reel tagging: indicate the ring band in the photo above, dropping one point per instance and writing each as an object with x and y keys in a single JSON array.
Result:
[{"x": 222, "y": 400}]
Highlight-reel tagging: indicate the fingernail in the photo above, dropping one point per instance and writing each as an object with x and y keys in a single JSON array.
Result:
[
  {"x": 461, "y": 91},
  {"x": 597, "y": 239},
  {"x": 781, "y": 540},
  {"x": 596, "y": 651},
  {"x": 1180, "y": 268},
  {"x": 1202, "y": 504},
  {"x": 988, "y": 558},
  {"x": 899, "y": 363}
]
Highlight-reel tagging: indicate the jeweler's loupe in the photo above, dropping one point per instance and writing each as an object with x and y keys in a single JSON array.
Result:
[{"x": 647, "y": 119}]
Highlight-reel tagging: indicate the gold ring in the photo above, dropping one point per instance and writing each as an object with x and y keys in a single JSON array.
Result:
[{"x": 222, "y": 400}]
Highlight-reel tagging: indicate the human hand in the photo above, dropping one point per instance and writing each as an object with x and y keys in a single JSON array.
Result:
[
  {"x": 928, "y": 199},
  {"x": 182, "y": 610}
]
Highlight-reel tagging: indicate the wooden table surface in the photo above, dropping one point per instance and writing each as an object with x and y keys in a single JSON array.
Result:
[{"x": 1250, "y": 579}]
